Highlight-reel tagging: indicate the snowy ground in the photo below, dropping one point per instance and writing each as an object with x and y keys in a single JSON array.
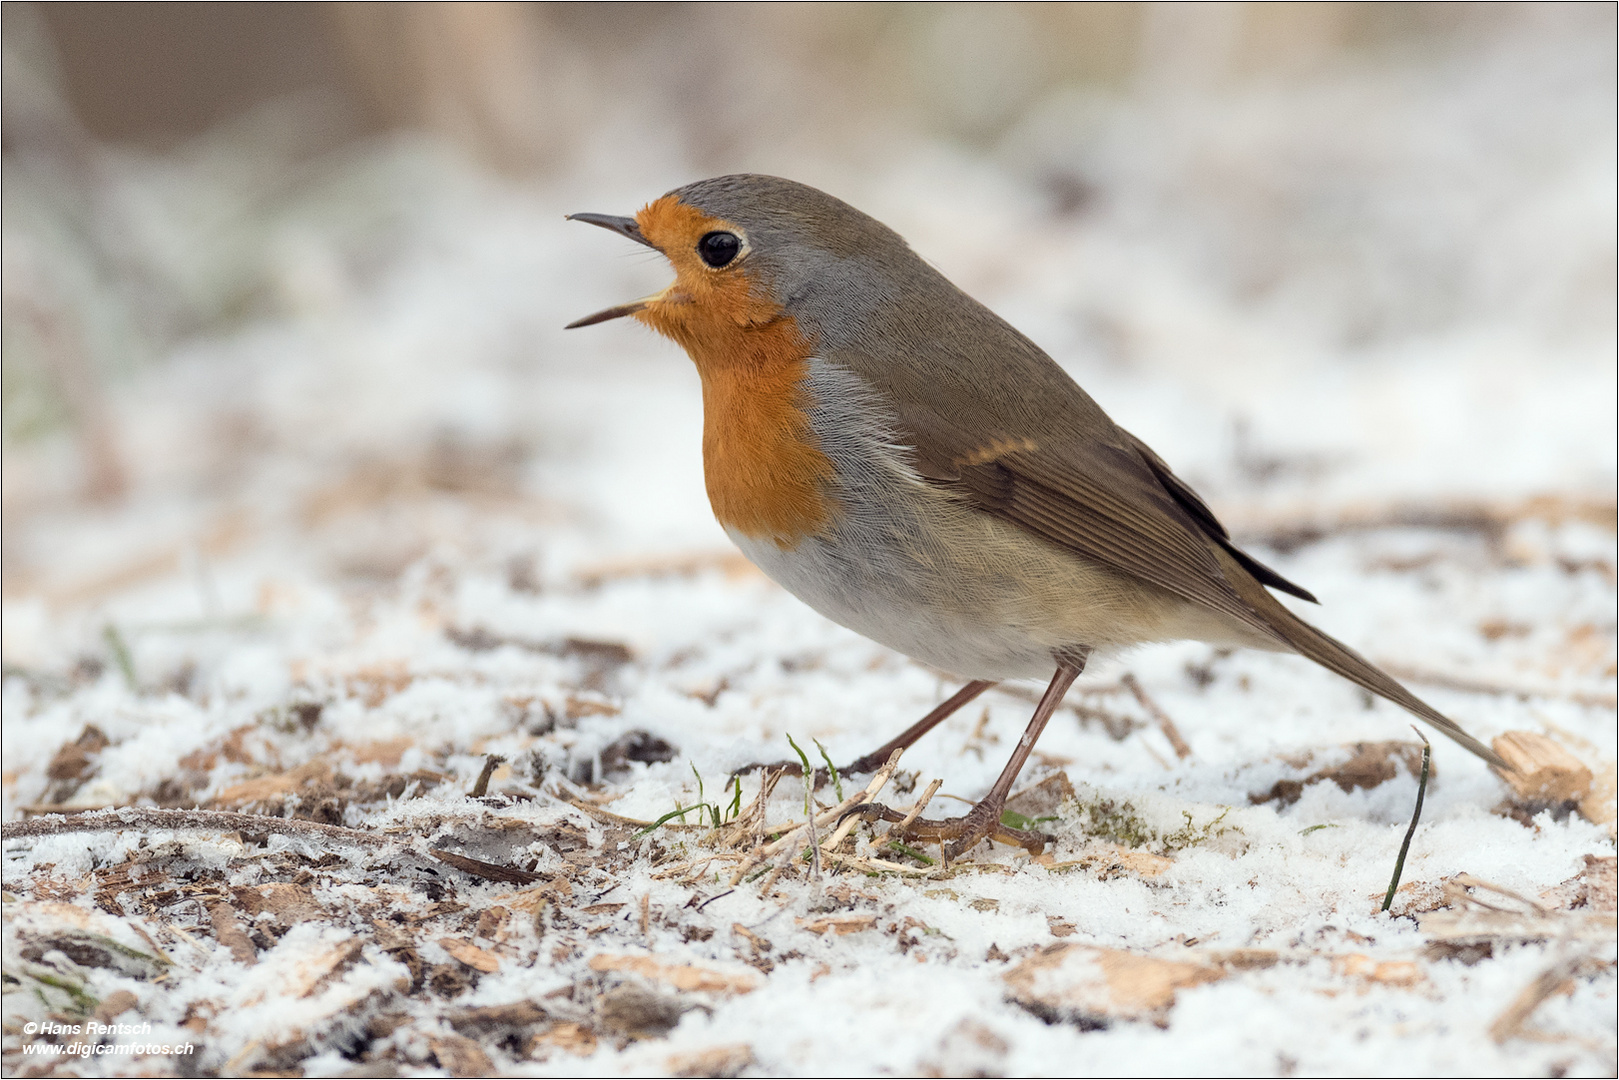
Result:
[{"x": 405, "y": 522}]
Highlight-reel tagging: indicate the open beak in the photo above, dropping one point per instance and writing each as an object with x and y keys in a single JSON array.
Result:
[{"x": 624, "y": 227}]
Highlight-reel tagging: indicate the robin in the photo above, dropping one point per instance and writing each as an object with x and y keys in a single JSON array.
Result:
[{"x": 900, "y": 458}]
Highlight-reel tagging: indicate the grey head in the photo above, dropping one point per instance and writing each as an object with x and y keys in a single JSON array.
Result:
[{"x": 832, "y": 267}]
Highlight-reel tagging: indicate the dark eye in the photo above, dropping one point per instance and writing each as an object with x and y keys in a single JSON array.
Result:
[{"x": 717, "y": 249}]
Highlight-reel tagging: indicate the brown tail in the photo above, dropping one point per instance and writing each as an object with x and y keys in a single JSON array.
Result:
[{"x": 1335, "y": 656}]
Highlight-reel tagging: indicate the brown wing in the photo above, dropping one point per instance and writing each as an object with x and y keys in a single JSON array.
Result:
[
  {"x": 993, "y": 417},
  {"x": 1098, "y": 498}
]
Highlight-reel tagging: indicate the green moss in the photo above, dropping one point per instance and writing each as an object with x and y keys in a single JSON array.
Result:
[
  {"x": 1120, "y": 821},
  {"x": 1191, "y": 835}
]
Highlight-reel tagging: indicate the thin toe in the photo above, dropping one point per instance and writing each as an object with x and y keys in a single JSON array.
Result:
[{"x": 871, "y": 812}]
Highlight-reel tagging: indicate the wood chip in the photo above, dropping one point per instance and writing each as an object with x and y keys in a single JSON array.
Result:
[
  {"x": 312, "y": 974},
  {"x": 1387, "y": 972},
  {"x": 1542, "y": 770},
  {"x": 387, "y": 753},
  {"x": 229, "y": 933},
  {"x": 77, "y": 760},
  {"x": 724, "y": 1061},
  {"x": 1088, "y": 984},
  {"x": 376, "y": 683},
  {"x": 679, "y": 976},
  {"x": 839, "y": 924},
  {"x": 1245, "y": 959},
  {"x": 115, "y": 1004},
  {"x": 1598, "y": 805},
  {"x": 758, "y": 943},
  {"x": 288, "y": 902},
  {"x": 267, "y": 788},
  {"x": 576, "y": 1039},
  {"x": 1109, "y": 860},
  {"x": 461, "y": 1056},
  {"x": 534, "y": 899},
  {"x": 1597, "y": 884},
  {"x": 470, "y": 955},
  {"x": 1369, "y": 764}
]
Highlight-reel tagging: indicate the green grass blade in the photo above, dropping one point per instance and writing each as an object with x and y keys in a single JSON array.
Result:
[
  {"x": 678, "y": 812},
  {"x": 809, "y": 772},
  {"x": 832, "y": 770},
  {"x": 1416, "y": 816}
]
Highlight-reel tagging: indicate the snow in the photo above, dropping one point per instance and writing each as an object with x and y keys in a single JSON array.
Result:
[{"x": 364, "y": 527}]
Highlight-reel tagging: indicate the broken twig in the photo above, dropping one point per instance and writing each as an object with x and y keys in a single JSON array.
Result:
[
  {"x": 1165, "y": 724},
  {"x": 481, "y": 786},
  {"x": 765, "y": 851}
]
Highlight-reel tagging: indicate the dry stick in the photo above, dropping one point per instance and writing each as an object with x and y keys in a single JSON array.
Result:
[
  {"x": 844, "y": 828},
  {"x": 828, "y": 816},
  {"x": 1165, "y": 724},
  {"x": 607, "y": 817},
  {"x": 1456, "y": 891},
  {"x": 1416, "y": 816},
  {"x": 754, "y": 816},
  {"x": 915, "y": 812},
  {"x": 490, "y": 763},
  {"x": 871, "y": 864},
  {"x": 1117, "y": 726},
  {"x": 898, "y": 829},
  {"x": 850, "y": 822},
  {"x": 486, "y": 870},
  {"x": 700, "y": 865},
  {"x": 1544, "y": 985},
  {"x": 809, "y": 827},
  {"x": 765, "y": 851},
  {"x": 782, "y": 860},
  {"x": 1482, "y": 686},
  {"x": 141, "y": 817}
]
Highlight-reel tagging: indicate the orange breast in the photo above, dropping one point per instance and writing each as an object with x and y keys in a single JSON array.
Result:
[{"x": 765, "y": 471}]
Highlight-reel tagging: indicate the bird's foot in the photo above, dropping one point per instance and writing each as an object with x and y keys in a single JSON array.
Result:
[{"x": 958, "y": 835}]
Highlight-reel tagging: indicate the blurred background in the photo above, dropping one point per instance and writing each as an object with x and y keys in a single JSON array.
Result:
[{"x": 283, "y": 283}]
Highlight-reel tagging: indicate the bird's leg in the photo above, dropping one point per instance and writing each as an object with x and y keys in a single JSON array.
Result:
[
  {"x": 908, "y": 738},
  {"x": 984, "y": 819},
  {"x": 879, "y": 757}
]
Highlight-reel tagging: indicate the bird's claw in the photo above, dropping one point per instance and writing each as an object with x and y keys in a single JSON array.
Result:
[{"x": 957, "y": 835}]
